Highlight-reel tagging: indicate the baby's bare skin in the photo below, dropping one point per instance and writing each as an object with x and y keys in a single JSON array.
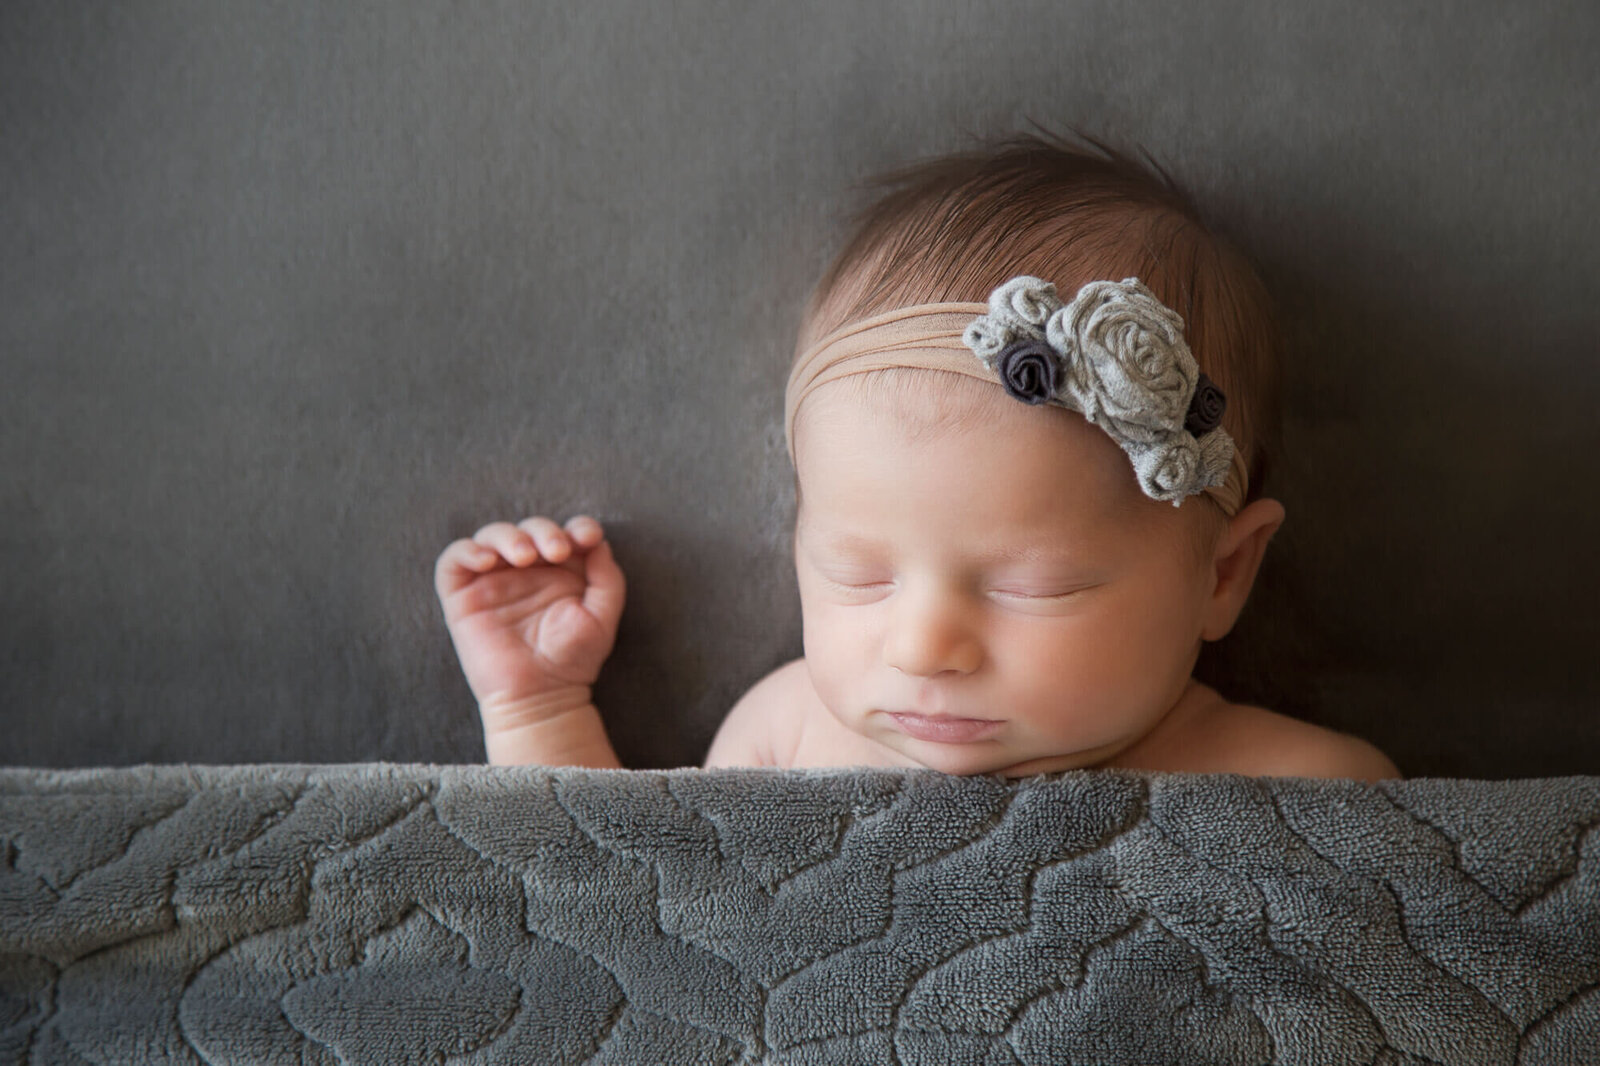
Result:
[
  {"x": 533, "y": 610},
  {"x": 999, "y": 598},
  {"x": 781, "y": 722}
]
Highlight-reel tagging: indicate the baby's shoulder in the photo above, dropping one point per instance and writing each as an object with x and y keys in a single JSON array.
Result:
[
  {"x": 764, "y": 727},
  {"x": 1253, "y": 740}
]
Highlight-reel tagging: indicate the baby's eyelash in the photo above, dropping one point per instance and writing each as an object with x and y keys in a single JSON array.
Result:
[
  {"x": 865, "y": 586},
  {"x": 1029, "y": 595}
]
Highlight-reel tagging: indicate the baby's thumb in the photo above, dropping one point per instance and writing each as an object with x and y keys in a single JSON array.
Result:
[{"x": 607, "y": 589}]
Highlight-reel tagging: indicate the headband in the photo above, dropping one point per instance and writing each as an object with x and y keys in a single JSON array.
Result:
[{"x": 1115, "y": 354}]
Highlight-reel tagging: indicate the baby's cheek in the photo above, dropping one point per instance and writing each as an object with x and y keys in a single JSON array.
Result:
[
  {"x": 1076, "y": 666},
  {"x": 835, "y": 651}
]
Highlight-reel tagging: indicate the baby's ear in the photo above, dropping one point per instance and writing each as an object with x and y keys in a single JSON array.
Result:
[{"x": 1238, "y": 558}]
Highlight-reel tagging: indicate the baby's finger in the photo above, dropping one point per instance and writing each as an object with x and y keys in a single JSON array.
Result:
[
  {"x": 552, "y": 540},
  {"x": 460, "y": 562},
  {"x": 513, "y": 545},
  {"x": 585, "y": 531},
  {"x": 607, "y": 590}
]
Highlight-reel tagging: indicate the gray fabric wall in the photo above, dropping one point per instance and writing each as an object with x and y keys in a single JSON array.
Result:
[{"x": 292, "y": 294}]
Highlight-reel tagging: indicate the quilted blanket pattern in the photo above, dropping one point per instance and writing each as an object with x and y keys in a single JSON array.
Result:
[{"x": 396, "y": 914}]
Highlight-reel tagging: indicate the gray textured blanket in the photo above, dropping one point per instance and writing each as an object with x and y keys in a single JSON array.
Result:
[{"x": 397, "y": 914}]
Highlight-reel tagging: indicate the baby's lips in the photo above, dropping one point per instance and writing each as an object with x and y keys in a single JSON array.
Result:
[{"x": 944, "y": 728}]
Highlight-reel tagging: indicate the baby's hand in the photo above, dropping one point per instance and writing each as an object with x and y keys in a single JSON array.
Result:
[{"x": 532, "y": 608}]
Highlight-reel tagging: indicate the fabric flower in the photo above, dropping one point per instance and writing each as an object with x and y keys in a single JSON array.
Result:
[
  {"x": 1024, "y": 303},
  {"x": 1116, "y": 355},
  {"x": 1029, "y": 370},
  {"x": 987, "y": 338},
  {"x": 1168, "y": 470},
  {"x": 1128, "y": 366},
  {"x": 1216, "y": 457},
  {"x": 1205, "y": 409}
]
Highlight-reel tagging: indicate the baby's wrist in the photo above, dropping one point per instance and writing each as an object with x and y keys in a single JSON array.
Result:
[
  {"x": 502, "y": 714},
  {"x": 560, "y": 727}
]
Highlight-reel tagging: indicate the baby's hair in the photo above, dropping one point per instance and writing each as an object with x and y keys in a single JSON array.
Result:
[{"x": 951, "y": 229}]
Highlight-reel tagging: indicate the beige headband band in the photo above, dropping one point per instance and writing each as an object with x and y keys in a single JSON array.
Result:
[{"x": 925, "y": 337}]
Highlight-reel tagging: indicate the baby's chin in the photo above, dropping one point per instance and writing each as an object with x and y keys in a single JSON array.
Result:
[
  {"x": 1010, "y": 757},
  {"x": 1052, "y": 764},
  {"x": 972, "y": 760}
]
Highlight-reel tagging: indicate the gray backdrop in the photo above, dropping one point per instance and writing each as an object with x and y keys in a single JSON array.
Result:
[{"x": 292, "y": 294}]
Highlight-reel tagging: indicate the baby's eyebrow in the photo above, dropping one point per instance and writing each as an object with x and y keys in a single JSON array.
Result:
[
  {"x": 1046, "y": 554},
  {"x": 1030, "y": 553},
  {"x": 843, "y": 543}
]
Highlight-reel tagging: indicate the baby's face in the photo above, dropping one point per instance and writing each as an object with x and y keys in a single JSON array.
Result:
[{"x": 999, "y": 597}]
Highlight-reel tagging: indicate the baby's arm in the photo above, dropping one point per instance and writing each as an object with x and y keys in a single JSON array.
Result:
[{"x": 533, "y": 611}]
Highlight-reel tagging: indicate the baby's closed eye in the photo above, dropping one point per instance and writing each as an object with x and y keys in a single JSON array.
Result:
[
  {"x": 1040, "y": 592},
  {"x": 869, "y": 585},
  {"x": 1042, "y": 599},
  {"x": 1040, "y": 583},
  {"x": 856, "y": 586}
]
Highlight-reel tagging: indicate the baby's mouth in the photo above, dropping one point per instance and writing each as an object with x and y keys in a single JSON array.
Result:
[{"x": 944, "y": 728}]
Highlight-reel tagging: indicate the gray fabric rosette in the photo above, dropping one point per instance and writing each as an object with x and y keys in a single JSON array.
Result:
[{"x": 1116, "y": 355}]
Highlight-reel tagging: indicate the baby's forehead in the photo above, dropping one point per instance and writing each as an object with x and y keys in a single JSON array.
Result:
[
  {"x": 986, "y": 448},
  {"x": 927, "y": 407},
  {"x": 915, "y": 401}
]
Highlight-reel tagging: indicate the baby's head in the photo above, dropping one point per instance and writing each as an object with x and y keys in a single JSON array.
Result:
[{"x": 965, "y": 556}]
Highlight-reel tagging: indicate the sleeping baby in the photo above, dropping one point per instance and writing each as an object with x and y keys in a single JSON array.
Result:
[{"x": 1032, "y": 407}]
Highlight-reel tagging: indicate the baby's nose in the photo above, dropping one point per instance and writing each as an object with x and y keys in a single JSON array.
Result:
[{"x": 932, "y": 635}]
